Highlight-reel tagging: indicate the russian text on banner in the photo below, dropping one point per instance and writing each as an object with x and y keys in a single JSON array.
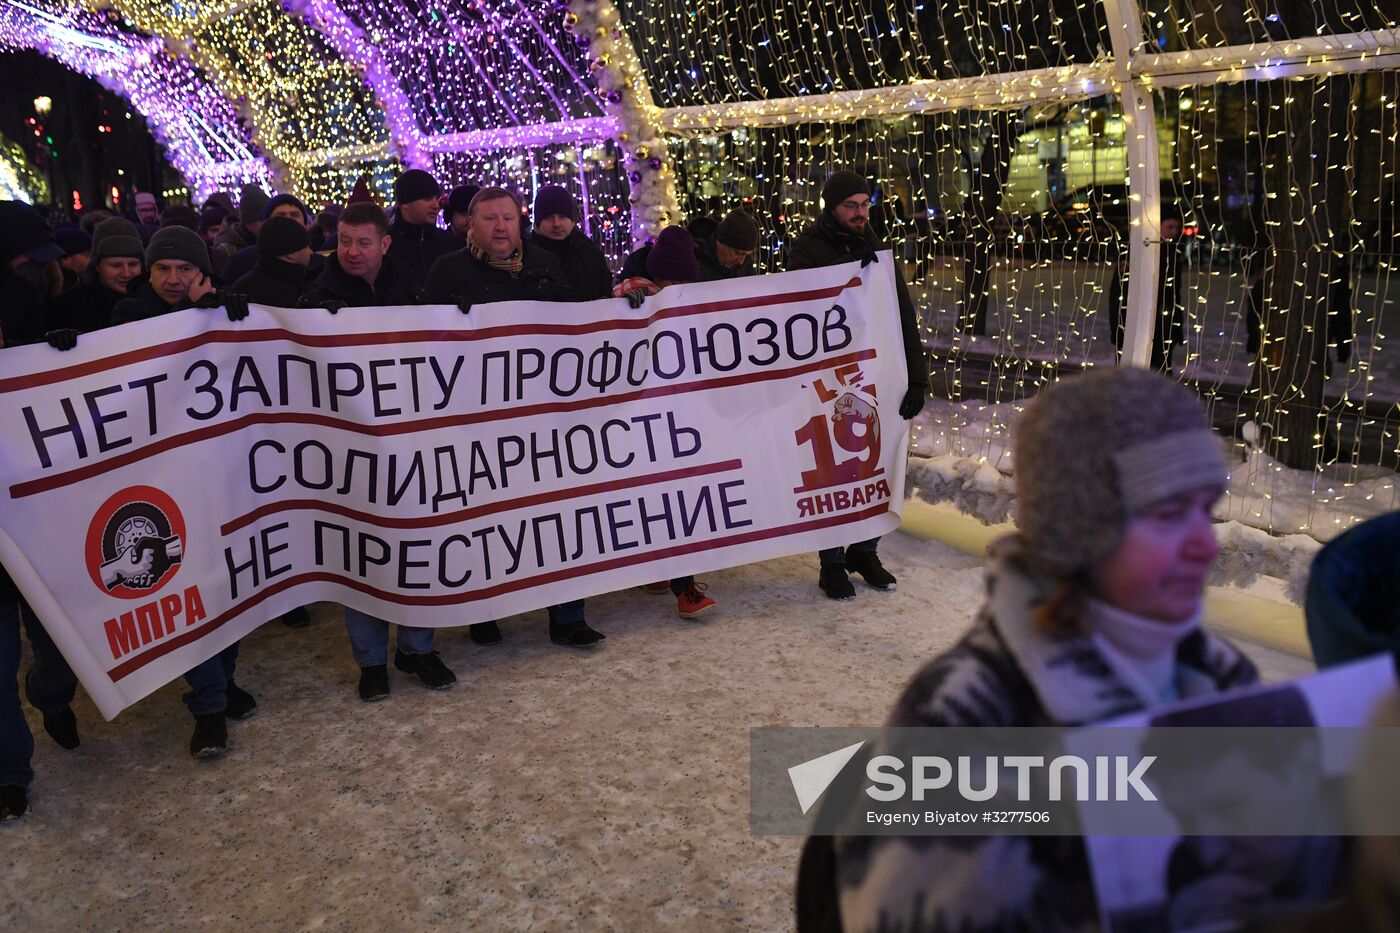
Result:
[{"x": 172, "y": 484}]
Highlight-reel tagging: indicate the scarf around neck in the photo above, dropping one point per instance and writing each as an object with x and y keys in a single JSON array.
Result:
[{"x": 512, "y": 264}]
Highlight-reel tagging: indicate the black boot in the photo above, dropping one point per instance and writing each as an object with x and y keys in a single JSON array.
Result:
[
  {"x": 835, "y": 583},
  {"x": 14, "y": 802},
  {"x": 297, "y": 618},
  {"x": 574, "y": 634},
  {"x": 62, "y": 727},
  {"x": 485, "y": 633},
  {"x": 374, "y": 682},
  {"x": 429, "y": 667},
  {"x": 210, "y": 737},
  {"x": 241, "y": 704},
  {"x": 867, "y": 564}
]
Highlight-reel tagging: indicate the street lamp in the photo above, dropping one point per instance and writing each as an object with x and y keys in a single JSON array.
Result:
[{"x": 42, "y": 105}]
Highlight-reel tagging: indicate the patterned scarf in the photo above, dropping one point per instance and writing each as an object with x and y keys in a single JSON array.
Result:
[{"x": 512, "y": 264}]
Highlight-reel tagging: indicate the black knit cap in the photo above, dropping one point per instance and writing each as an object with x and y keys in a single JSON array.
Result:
[
  {"x": 554, "y": 201},
  {"x": 460, "y": 200},
  {"x": 277, "y": 201},
  {"x": 181, "y": 244},
  {"x": 672, "y": 257},
  {"x": 842, "y": 185},
  {"x": 738, "y": 231},
  {"x": 71, "y": 239},
  {"x": 280, "y": 236},
  {"x": 415, "y": 185}
]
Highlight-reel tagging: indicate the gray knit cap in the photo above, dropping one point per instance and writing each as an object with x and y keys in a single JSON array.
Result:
[
  {"x": 116, "y": 236},
  {"x": 179, "y": 243},
  {"x": 1093, "y": 450}
]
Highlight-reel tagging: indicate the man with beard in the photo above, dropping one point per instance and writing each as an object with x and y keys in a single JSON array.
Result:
[{"x": 842, "y": 234}]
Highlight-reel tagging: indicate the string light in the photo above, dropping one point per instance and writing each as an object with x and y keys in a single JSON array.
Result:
[{"x": 650, "y": 112}]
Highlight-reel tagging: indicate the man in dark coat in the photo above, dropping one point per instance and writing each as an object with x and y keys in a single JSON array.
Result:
[
  {"x": 115, "y": 263},
  {"x": 1169, "y": 331},
  {"x": 557, "y": 231},
  {"x": 283, "y": 273},
  {"x": 841, "y": 234},
  {"x": 77, "y": 248},
  {"x": 280, "y": 205},
  {"x": 496, "y": 265},
  {"x": 244, "y": 233},
  {"x": 360, "y": 273},
  {"x": 27, "y": 250},
  {"x": 727, "y": 251},
  {"x": 418, "y": 240}
]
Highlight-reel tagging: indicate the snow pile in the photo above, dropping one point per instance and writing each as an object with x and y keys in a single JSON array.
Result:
[
  {"x": 1246, "y": 554},
  {"x": 970, "y": 484}
]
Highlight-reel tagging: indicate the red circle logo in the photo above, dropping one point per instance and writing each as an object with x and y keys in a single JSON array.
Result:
[{"x": 135, "y": 543}]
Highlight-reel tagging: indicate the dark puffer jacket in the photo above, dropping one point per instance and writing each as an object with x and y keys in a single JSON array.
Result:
[
  {"x": 418, "y": 246},
  {"x": 825, "y": 243},
  {"x": 277, "y": 283}
]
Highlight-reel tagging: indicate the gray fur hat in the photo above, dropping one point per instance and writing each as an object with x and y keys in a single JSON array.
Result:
[{"x": 1093, "y": 450}]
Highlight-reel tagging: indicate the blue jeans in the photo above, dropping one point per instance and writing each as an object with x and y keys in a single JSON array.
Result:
[
  {"x": 569, "y": 613},
  {"x": 16, "y": 741},
  {"x": 836, "y": 556},
  {"x": 369, "y": 638},
  {"x": 209, "y": 682},
  {"x": 50, "y": 683}
]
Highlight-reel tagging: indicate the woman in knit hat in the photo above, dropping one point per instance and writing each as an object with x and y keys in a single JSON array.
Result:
[
  {"x": 1093, "y": 611},
  {"x": 671, "y": 261}
]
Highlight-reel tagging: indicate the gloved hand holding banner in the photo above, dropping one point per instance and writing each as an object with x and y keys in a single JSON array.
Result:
[{"x": 171, "y": 484}]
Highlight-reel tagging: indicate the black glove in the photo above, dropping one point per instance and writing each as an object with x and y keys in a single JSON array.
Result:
[
  {"x": 635, "y": 297},
  {"x": 331, "y": 305},
  {"x": 464, "y": 305},
  {"x": 912, "y": 403},
  {"x": 235, "y": 305},
  {"x": 868, "y": 259},
  {"x": 65, "y": 338}
]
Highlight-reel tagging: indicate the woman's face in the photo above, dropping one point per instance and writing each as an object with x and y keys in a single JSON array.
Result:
[{"x": 1159, "y": 570}]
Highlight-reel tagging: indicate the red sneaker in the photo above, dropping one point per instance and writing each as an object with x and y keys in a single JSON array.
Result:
[
  {"x": 656, "y": 589},
  {"x": 693, "y": 601}
]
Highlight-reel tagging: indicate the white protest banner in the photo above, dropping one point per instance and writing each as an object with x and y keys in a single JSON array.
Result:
[{"x": 172, "y": 484}]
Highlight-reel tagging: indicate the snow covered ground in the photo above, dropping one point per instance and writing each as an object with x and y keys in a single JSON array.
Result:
[{"x": 551, "y": 789}]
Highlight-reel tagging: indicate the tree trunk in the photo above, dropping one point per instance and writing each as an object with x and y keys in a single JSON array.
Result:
[
  {"x": 1305, "y": 217},
  {"x": 983, "y": 203}
]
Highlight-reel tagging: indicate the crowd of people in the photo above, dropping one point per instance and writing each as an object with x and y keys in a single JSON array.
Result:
[{"x": 61, "y": 285}]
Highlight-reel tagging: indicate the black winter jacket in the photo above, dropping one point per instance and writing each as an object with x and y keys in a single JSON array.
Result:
[
  {"x": 276, "y": 283},
  {"x": 396, "y": 285},
  {"x": 86, "y": 308},
  {"x": 418, "y": 246},
  {"x": 142, "y": 303},
  {"x": 582, "y": 263},
  {"x": 461, "y": 276},
  {"x": 825, "y": 243}
]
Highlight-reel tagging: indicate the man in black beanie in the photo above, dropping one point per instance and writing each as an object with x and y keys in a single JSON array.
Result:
[
  {"x": 280, "y": 205},
  {"x": 284, "y": 271},
  {"x": 458, "y": 210},
  {"x": 27, "y": 276},
  {"x": 417, "y": 239},
  {"x": 77, "y": 247},
  {"x": 727, "y": 252},
  {"x": 842, "y": 234},
  {"x": 180, "y": 278},
  {"x": 244, "y": 233},
  {"x": 580, "y": 259}
]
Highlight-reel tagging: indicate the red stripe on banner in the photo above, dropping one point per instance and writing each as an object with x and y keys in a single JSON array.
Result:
[
  {"x": 131, "y": 665},
  {"x": 265, "y": 335},
  {"x": 462, "y": 515},
  {"x": 59, "y": 480}
]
